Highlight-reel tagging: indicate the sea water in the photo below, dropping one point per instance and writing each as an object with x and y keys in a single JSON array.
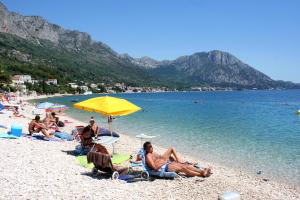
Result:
[{"x": 257, "y": 131}]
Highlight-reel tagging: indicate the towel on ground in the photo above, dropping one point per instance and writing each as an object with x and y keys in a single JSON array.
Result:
[
  {"x": 64, "y": 136},
  {"x": 8, "y": 136}
]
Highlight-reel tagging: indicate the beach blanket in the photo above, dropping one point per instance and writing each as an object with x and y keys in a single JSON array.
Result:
[
  {"x": 7, "y": 136},
  {"x": 106, "y": 132},
  {"x": 116, "y": 159},
  {"x": 1, "y": 106},
  {"x": 64, "y": 136},
  {"x": 41, "y": 137},
  {"x": 2, "y": 126}
]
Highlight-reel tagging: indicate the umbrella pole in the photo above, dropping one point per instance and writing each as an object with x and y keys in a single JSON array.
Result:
[{"x": 110, "y": 130}]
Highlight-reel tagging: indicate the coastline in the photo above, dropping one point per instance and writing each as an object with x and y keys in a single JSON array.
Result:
[{"x": 224, "y": 179}]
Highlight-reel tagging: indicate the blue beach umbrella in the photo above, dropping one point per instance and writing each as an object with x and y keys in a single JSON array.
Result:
[
  {"x": 44, "y": 105},
  {"x": 56, "y": 107}
]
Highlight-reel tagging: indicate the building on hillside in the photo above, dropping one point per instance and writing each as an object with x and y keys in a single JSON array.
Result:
[
  {"x": 73, "y": 85},
  {"x": 25, "y": 78},
  {"x": 33, "y": 81},
  {"x": 21, "y": 79},
  {"x": 84, "y": 88},
  {"x": 51, "y": 82},
  {"x": 93, "y": 85}
]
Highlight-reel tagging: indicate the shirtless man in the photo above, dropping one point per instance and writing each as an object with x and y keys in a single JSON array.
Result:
[
  {"x": 35, "y": 126},
  {"x": 172, "y": 164}
]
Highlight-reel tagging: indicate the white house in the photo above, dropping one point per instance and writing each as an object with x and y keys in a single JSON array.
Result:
[
  {"x": 73, "y": 85},
  {"x": 84, "y": 88},
  {"x": 21, "y": 79},
  {"x": 51, "y": 82},
  {"x": 93, "y": 85}
]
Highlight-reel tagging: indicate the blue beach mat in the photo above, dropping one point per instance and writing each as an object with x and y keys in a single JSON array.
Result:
[
  {"x": 106, "y": 132},
  {"x": 7, "y": 136},
  {"x": 1, "y": 106},
  {"x": 64, "y": 136},
  {"x": 41, "y": 137}
]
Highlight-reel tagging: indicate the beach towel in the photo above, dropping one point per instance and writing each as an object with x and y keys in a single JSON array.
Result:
[
  {"x": 41, "y": 137},
  {"x": 64, "y": 136},
  {"x": 2, "y": 126},
  {"x": 130, "y": 178},
  {"x": 8, "y": 136},
  {"x": 1, "y": 106},
  {"x": 106, "y": 132},
  {"x": 116, "y": 159}
]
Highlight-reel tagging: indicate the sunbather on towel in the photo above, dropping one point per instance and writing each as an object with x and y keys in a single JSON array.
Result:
[
  {"x": 35, "y": 126},
  {"x": 170, "y": 162},
  {"x": 16, "y": 112}
]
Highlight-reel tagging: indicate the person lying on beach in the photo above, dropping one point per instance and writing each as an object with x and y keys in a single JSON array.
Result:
[
  {"x": 35, "y": 126},
  {"x": 16, "y": 112},
  {"x": 87, "y": 135},
  {"x": 170, "y": 162}
]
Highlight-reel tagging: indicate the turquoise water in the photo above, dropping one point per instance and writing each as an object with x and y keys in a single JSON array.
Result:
[{"x": 249, "y": 130}]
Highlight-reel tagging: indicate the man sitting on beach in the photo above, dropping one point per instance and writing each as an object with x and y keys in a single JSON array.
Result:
[
  {"x": 35, "y": 126},
  {"x": 168, "y": 163}
]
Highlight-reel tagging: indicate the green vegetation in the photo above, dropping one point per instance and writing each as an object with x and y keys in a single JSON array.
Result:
[{"x": 44, "y": 60}]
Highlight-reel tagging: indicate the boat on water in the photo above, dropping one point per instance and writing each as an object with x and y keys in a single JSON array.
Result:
[{"x": 74, "y": 100}]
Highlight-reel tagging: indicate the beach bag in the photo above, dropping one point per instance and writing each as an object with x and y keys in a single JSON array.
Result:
[{"x": 60, "y": 124}]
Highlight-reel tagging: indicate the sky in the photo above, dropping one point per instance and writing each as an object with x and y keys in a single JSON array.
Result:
[{"x": 264, "y": 34}]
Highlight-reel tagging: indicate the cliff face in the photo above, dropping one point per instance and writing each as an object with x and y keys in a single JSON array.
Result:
[{"x": 35, "y": 27}]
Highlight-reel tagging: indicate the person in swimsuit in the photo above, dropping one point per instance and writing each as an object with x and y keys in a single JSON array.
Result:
[
  {"x": 87, "y": 135},
  {"x": 170, "y": 162},
  {"x": 50, "y": 120},
  {"x": 35, "y": 126},
  {"x": 16, "y": 112}
]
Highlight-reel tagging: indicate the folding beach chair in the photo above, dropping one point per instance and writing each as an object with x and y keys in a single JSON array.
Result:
[
  {"x": 151, "y": 172},
  {"x": 103, "y": 163}
]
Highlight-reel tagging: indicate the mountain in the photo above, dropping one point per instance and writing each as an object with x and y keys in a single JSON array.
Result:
[
  {"x": 32, "y": 45},
  {"x": 215, "y": 68}
]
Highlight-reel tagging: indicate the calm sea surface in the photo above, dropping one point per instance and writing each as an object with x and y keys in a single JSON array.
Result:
[{"x": 250, "y": 130}]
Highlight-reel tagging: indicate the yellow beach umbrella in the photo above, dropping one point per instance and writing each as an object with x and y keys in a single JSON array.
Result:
[{"x": 108, "y": 106}]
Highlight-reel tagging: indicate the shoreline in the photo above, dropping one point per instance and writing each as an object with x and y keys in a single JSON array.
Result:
[
  {"x": 191, "y": 158},
  {"x": 194, "y": 157},
  {"x": 224, "y": 178},
  {"x": 163, "y": 148}
]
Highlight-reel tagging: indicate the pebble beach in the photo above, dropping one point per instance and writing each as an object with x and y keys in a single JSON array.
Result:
[{"x": 35, "y": 169}]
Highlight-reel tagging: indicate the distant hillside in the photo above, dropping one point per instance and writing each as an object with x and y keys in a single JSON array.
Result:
[
  {"x": 214, "y": 68},
  {"x": 32, "y": 45}
]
